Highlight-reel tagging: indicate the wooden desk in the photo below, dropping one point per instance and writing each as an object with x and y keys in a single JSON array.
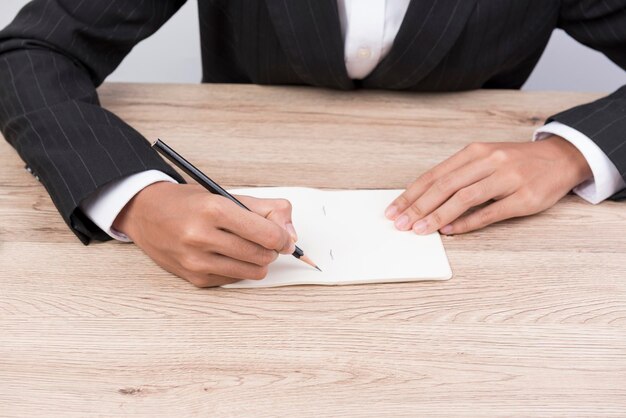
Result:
[{"x": 533, "y": 322}]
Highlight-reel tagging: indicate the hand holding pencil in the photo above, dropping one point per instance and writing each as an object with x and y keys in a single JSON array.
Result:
[
  {"x": 211, "y": 186},
  {"x": 205, "y": 238}
]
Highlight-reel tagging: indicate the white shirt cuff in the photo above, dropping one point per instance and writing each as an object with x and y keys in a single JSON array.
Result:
[
  {"x": 104, "y": 206},
  {"x": 606, "y": 180}
]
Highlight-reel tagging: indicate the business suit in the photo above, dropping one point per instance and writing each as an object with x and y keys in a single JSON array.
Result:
[{"x": 56, "y": 51}]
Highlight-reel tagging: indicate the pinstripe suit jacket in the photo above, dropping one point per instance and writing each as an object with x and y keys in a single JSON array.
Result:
[{"x": 55, "y": 53}]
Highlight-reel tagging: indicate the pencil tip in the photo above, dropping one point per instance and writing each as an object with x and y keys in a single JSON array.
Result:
[{"x": 309, "y": 262}]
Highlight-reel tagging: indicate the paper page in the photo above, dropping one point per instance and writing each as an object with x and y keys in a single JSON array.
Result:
[{"x": 346, "y": 233}]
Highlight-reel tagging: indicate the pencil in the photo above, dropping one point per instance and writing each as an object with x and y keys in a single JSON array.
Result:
[{"x": 212, "y": 186}]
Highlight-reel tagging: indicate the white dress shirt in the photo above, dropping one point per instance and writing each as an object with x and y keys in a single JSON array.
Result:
[
  {"x": 369, "y": 28},
  {"x": 606, "y": 180}
]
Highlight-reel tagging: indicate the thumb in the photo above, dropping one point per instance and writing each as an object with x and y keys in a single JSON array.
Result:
[{"x": 275, "y": 210}]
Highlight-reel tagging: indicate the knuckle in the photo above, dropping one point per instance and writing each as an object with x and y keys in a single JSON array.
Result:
[
  {"x": 189, "y": 235},
  {"x": 283, "y": 205},
  {"x": 477, "y": 147},
  {"x": 443, "y": 185},
  {"x": 499, "y": 156},
  {"x": 426, "y": 178},
  {"x": 415, "y": 212},
  {"x": 213, "y": 208},
  {"x": 265, "y": 256},
  {"x": 191, "y": 264},
  {"x": 463, "y": 225},
  {"x": 402, "y": 201},
  {"x": 466, "y": 197},
  {"x": 486, "y": 216},
  {"x": 274, "y": 239},
  {"x": 530, "y": 198},
  {"x": 259, "y": 273},
  {"x": 200, "y": 282},
  {"x": 436, "y": 219}
]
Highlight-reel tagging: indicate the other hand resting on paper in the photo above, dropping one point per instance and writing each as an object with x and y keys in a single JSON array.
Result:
[
  {"x": 520, "y": 178},
  {"x": 205, "y": 238}
]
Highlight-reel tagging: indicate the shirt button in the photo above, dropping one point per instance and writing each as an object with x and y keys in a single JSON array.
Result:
[{"x": 364, "y": 52}]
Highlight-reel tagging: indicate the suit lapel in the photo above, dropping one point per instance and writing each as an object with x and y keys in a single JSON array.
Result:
[
  {"x": 310, "y": 33},
  {"x": 427, "y": 33}
]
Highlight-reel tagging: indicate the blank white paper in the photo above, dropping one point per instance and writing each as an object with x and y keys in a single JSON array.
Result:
[{"x": 346, "y": 233}]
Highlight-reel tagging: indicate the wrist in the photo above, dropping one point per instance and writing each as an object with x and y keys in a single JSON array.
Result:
[
  {"x": 575, "y": 161},
  {"x": 132, "y": 213}
]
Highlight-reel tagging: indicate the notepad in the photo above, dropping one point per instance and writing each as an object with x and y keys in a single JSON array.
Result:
[{"x": 346, "y": 233}]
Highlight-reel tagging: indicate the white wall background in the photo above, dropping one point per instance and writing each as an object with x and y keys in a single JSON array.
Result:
[{"x": 173, "y": 55}]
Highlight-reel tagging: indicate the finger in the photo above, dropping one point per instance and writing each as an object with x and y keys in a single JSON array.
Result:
[
  {"x": 210, "y": 280},
  {"x": 441, "y": 190},
  {"x": 233, "y": 246},
  {"x": 506, "y": 208},
  {"x": 253, "y": 227},
  {"x": 208, "y": 265},
  {"x": 276, "y": 210},
  {"x": 423, "y": 182},
  {"x": 463, "y": 200}
]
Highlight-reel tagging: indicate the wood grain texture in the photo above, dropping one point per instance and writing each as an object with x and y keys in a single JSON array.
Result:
[{"x": 533, "y": 322}]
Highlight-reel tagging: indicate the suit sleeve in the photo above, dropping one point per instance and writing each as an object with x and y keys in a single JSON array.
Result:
[
  {"x": 52, "y": 57},
  {"x": 600, "y": 25}
]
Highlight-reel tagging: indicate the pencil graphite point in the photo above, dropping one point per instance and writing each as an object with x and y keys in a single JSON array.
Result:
[{"x": 309, "y": 262}]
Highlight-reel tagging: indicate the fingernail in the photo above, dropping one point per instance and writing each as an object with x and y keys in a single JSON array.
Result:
[
  {"x": 402, "y": 222},
  {"x": 420, "y": 227},
  {"x": 292, "y": 231},
  {"x": 446, "y": 230},
  {"x": 292, "y": 247},
  {"x": 391, "y": 212}
]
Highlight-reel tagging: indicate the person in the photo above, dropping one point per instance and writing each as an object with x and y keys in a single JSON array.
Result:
[{"x": 107, "y": 182}]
